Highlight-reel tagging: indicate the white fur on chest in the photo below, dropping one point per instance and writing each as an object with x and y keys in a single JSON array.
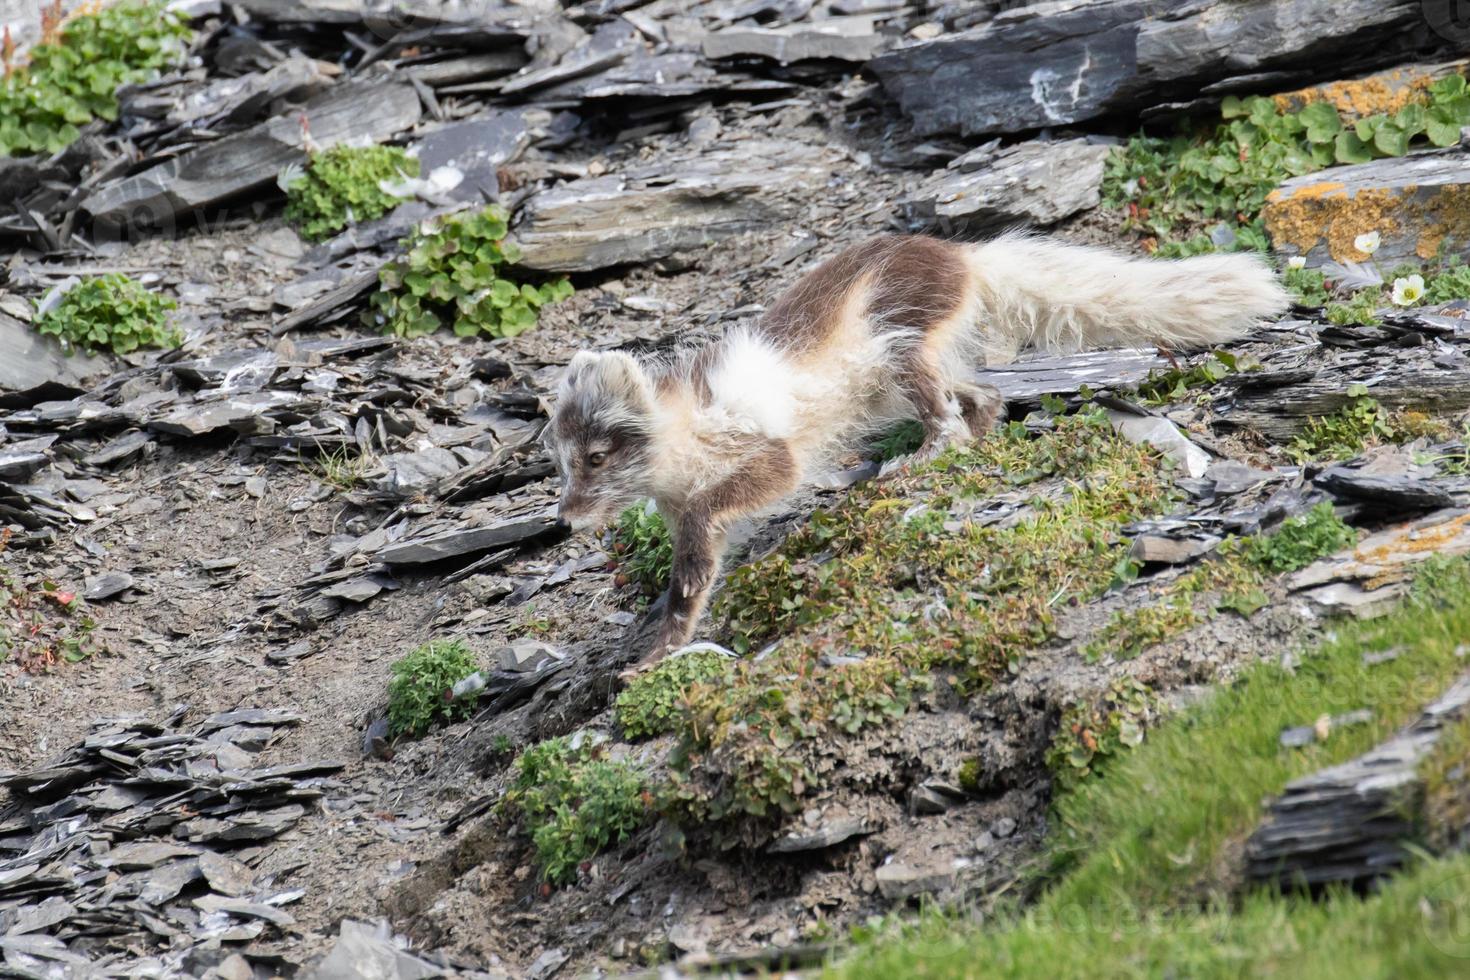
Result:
[{"x": 754, "y": 390}]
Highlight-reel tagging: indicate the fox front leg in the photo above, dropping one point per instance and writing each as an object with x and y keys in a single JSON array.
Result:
[
  {"x": 698, "y": 544},
  {"x": 767, "y": 472}
]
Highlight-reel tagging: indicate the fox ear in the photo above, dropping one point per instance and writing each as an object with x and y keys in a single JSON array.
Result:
[
  {"x": 623, "y": 376},
  {"x": 579, "y": 368}
]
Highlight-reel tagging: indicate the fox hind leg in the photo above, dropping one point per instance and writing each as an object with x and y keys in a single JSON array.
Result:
[{"x": 982, "y": 407}]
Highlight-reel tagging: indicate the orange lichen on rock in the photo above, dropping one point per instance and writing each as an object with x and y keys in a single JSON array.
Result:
[
  {"x": 1384, "y": 92},
  {"x": 1394, "y": 556},
  {"x": 1318, "y": 213}
]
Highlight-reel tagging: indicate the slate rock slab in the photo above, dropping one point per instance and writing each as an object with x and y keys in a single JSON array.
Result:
[
  {"x": 1036, "y": 183},
  {"x": 214, "y": 172},
  {"x": 1065, "y": 61}
]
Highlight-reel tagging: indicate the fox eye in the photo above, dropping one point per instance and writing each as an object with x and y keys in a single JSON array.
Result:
[{"x": 596, "y": 459}]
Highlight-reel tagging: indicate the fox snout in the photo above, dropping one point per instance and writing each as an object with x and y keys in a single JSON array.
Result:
[{"x": 582, "y": 512}]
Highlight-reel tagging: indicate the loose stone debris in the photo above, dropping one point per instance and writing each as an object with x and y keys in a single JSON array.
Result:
[{"x": 121, "y": 843}]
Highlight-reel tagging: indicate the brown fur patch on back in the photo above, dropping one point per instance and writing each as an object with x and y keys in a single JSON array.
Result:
[{"x": 913, "y": 282}]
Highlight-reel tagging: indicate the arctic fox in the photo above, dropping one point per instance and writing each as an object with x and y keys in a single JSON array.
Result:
[{"x": 890, "y": 328}]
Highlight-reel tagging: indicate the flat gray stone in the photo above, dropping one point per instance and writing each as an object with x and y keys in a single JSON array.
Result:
[{"x": 466, "y": 541}]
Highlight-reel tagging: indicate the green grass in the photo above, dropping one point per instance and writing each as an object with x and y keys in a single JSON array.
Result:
[{"x": 1141, "y": 863}]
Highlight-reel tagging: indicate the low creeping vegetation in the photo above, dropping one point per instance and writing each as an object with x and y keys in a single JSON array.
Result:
[
  {"x": 643, "y": 549},
  {"x": 1143, "y": 865},
  {"x": 1224, "y": 172},
  {"x": 649, "y": 704},
  {"x": 340, "y": 187},
  {"x": 451, "y": 275},
  {"x": 1093, "y": 733},
  {"x": 416, "y": 694},
  {"x": 574, "y": 802},
  {"x": 1130, "y": 632},
  {"x": 1161, "y": 388},
  {"x": 1362, "y": 422},
  {"x": 1300, "y": 540},
  {"x": 870, "y": 598},
  {"x": 904, "y": 438},
  {"x": 71, "y": 75},
  {"x": 111, "y": 312},
  {"x": 41, "y": 625}
]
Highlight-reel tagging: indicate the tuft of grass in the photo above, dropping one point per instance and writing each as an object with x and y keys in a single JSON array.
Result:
[
  {"x": 340, "y": 187},
  {"x": 649, "y": 704},
  {"x": 1142, "y": 860},
  {"x": 574, "y": 802},
  {"x": 643, "y": 549},
  {"x": 422, "y": 679},
  {"x": 71, "y": 77},
  {"x": 451, "y": 275},
  {"x": 1300, "y": 540},
  {"x": 1092, "y": 733},
  {"x": 343, "y": 468},
  {"x": 110, "y": 312}
]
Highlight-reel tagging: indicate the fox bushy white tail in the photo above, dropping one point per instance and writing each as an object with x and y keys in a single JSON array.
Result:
[{"x": 1048, "y": 294}]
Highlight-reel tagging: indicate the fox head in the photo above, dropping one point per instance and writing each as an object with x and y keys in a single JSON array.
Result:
[{"x": 601, "y": 436}]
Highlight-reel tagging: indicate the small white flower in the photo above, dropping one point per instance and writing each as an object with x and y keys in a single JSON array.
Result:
[
  {"x": 1368, "y": 243},
  {"x": 1408, "y": 291},
  {"x": 1297, "y": 262}
]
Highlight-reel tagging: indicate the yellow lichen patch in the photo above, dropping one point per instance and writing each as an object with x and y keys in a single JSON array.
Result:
[
  {"x": 1316, "y": 214},
  {"x": 1311, "y": 192},
  {"x": 1440, "y": 539},
  {"x": 1313, "y": 214},
  {"x": 1385, "y": 92}
]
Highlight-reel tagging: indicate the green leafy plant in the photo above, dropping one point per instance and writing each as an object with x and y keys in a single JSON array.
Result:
[
  {"x": 904, "y": 438},
  {"x": 1226, "y": 171},
  {"x": 1361, "y": 422},
  {"x": 41, "y": 624},
  {"x": 574, "y": 802},
  {"x": 71, "y": 76},
  {"x": 111, "y": 312},
  {"x": 1451, "y": 282},
  {"x": 1308, "y": 286},
  {"x": 1176, "y": 383},
  {"x": 340, "y": 186},
  {"x": 417, "y": 692},
  {"x": 1361, "y": 308},
  {"x": 1093, "y": 732},
  {"x": 1300, "y": 540},
  {"x": 643, "y": 549},
  {"x": 648, "y": 705},
  {"x": 451, "y": 274}
]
